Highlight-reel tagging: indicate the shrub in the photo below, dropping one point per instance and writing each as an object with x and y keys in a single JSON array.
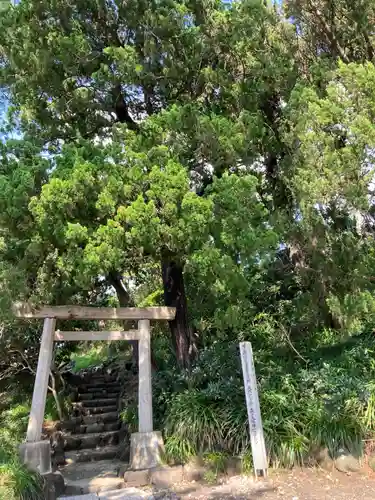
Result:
[
  {"x": 326, "y": 401},
  {"x": 178, "y": 449},
  {"x": 210, "y": 477},
  {"x": 247, "y": 461},
  {"x": 193, "y": 417},
  {"x": 13, "y": 424},
  {"x": 216, "y": 461}
]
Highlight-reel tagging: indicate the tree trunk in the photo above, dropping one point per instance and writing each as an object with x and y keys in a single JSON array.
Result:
[
  {"x": 124, "y": 301},
  {"x": 174, "y": 296}
]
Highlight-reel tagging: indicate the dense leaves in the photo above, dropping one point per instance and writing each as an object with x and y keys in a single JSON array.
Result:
[
  {"x": 306, "y": 404},
  {"x": 213, "y": 156}
]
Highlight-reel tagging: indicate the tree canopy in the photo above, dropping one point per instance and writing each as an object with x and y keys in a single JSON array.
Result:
[{"x": 214, "y": 156}]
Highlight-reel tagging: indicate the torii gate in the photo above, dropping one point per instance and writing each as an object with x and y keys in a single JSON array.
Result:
[{"x": 146, "y": 445}]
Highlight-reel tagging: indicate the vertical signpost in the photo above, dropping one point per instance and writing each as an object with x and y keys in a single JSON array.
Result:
[{"x": 253, "y": 410}]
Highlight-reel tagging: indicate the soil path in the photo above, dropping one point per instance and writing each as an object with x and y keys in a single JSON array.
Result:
[{"x": 306, "y": 484}]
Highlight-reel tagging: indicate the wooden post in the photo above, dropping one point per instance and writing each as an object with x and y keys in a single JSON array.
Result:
[
  {"x": 34, "y": 429},
  {"x": 258, "y": 447},
  {"x": 144, "y": 388}
]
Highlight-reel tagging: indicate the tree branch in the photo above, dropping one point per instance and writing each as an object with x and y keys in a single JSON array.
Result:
[
  {"x": 121, "y": 109},
  {"x": 25, "y": 360},
  {"x": 114, "y": 279},
  {"x": 329, "y": 33}
]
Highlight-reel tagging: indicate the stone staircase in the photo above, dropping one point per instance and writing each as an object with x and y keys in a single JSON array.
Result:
[{"x": 91, "y": 448}]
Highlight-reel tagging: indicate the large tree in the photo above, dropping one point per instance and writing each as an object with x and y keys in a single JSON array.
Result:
[
  {"x": 79, "y": 68},
  {"x": 73, "y": 70},
  {"x": 335, "y": 29},
  {"x": 142, "y": 115}
]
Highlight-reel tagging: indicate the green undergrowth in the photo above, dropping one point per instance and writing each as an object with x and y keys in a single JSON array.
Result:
[
  {"x": 95, "y": 354},
  {"x": 90, "y": 356},
  {"x": 16, "y": 482},
  {"x": 51, "y": 413},
  {"x": 326, "y": 399},
  {"x": 129, "y": 416}
]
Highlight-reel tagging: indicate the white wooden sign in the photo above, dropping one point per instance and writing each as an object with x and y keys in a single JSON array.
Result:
[{"x": 253, "y": 409}]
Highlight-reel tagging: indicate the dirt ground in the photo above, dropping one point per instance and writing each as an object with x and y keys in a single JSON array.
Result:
[{"x": 306, "y": 484}]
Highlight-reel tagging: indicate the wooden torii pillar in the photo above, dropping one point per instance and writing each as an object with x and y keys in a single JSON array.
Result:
[{"x": 146, "y": 445}]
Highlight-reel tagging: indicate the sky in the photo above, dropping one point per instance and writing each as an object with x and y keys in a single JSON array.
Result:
[{"x": 3, "y": 109}]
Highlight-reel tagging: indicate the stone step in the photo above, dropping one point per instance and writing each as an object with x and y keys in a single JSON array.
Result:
[
  {"x": 96, "y": 403},
  {"x": 111, "y": 416},
  {"x": 107, "y": 379},
  {"x": 76, "y": 422},
  {"x": 93, "y": 485},
  {"x": 89, "y": 470},
  {"x": 93, "y": 440},
  {"x": 87, "y": 396},
  {"x": 84, "y": 411},
  {"x": 100, "y": 427},
  {"x": 104, "y": 453},
  {"x": 100, "y": 383},
  {"x": 113, "y": 387},
  {"x": 95, "y": 427}
]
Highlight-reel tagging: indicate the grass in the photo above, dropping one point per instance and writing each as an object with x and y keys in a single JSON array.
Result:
[
  {"x": 179, "y": 450},
  {"x": 18, "y": 483},
  {"x": 216, "y": 461}
]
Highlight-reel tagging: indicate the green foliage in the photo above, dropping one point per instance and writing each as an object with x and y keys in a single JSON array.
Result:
[
  {"x": 13, "y": 427},
  {"x": 353, "y": 37},
  {"x": 247, "y": 461},
  {"x": 179, "y": 449},
  {"x": 234, "y": 143},
  {"x": 51, "y": 413},
  {"x": 326, "y": 403},
  {"x": 210, "y": 477},
  {"x": 196, "y": 420},
  {"x": 216, "y": 461},
  {"x": 130, "y": 417},
  {"x": 88, "y": 357},
  {"x": 217, "y": 181},
  {"x": 18, "y": 483}
]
